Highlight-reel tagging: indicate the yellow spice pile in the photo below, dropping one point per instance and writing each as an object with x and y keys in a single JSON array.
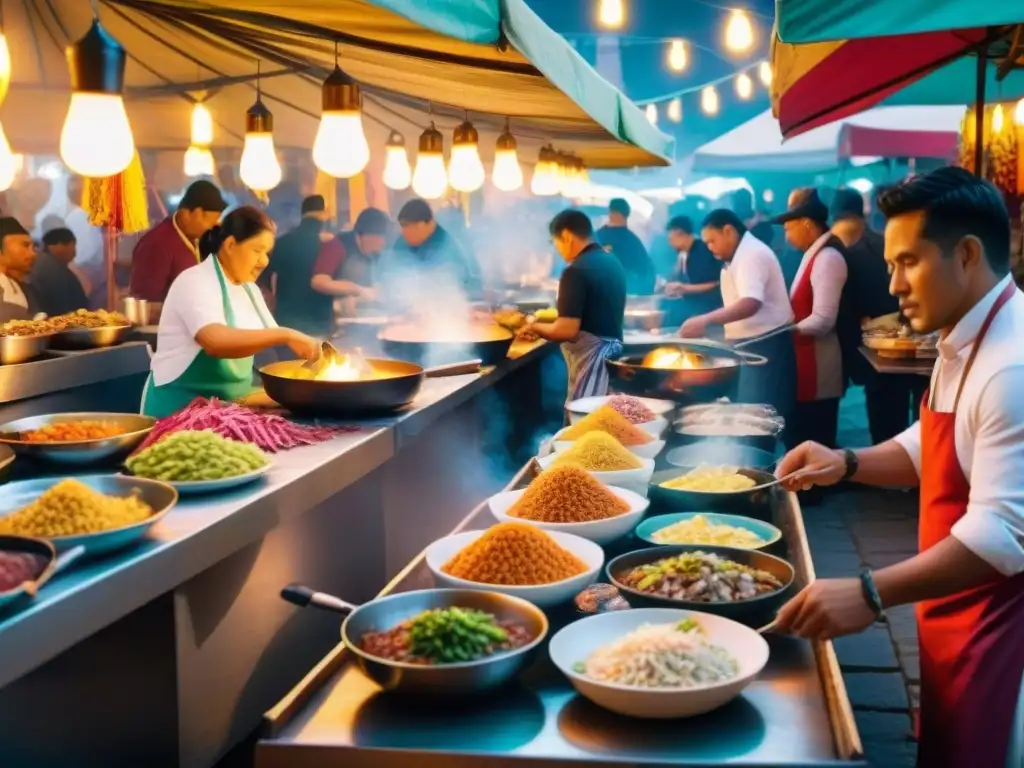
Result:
[
  {"x": 597, "y": 452},
  {"x": 71, "y": 508},
  {"x": 607, "y": 419},
  {"x": 567, "y": 495},
  {"x": 514, "y": 554}
]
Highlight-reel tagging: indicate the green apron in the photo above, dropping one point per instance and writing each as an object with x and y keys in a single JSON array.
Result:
[{"x": 206, "y": 376}]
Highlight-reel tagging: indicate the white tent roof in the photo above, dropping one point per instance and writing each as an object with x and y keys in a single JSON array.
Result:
[{"x": 756, "y": 145}]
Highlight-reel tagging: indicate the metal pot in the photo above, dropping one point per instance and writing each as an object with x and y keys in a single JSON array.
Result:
[
  {"x": 353, "y": 398},
  {"x": 462, "y": 679},
  {"x": 90, "y": 338},
  {"x": 22, "y": 349},
  {"x": 427, "y": 352},
  {"x": 643, "y": 319}
]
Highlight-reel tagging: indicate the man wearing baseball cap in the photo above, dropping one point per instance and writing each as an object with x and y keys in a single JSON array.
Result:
[{"x": 172, "y": 246}]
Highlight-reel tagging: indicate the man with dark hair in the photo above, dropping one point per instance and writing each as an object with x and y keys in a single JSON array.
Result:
[
  {"x": 755, "y": 303},
  {"x": 947, "y": 245},
  {"x": 616, "y": 237},
  {"x": 427, "y": 262},
  {"x": 591, "y": 304},
  {"x": 290, "y": 272},
  {"x": 17, "y": 255},
  {"x": 57, "y": 287},
  {"x": 890, "y": 398},
  {"x": 347, "y": 264},
  {"x": 815, "y": 295},
  {"x": 172, "y": 246},
  {"x": 697, "y": 273}
]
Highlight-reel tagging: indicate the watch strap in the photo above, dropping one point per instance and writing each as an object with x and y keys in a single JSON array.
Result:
[{"x": 852, "y": 463}]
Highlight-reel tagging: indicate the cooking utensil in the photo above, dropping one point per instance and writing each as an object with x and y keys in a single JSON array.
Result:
[
  {"x": 643, "y": 320},
  {"x": 579, "y": 640},
  {"x": 720, "y": 453},
  {"x": 79, "y": 453},
  {"x": 396, "y": 343},
  {"x": 718, "y": 378},
  {"x": 753, "y": 612},
  {"x": 753, "y": 502},
  {"x": 7, "y": 457},
  {"x": 769, "y": 628},
  {"x": 21, "y": 349},
  {"x": 90, "y": 338},
  {"x": 462, "y": 679},
  {"x": 397, "y": 387},
  {"x": 159, "y": 496},
  {"x": 54, "y": 564},
  {"x": 788, "y": 328},
  {"x": 327, "y": 355}
]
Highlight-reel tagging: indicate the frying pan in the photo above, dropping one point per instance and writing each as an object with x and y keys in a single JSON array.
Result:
[
  {"x": 461, "y": 679},
  {"x": 45, "y": 550},
  {"x": 489, "y": 352},
  {"x": 683, "y": 385},
  {"x": 353, "y": 398}
]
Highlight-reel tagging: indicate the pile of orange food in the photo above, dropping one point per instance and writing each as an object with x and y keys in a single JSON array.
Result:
[
  {"x": 567, "y": 495},
  {"x": 607, "y": 419},
  {"x": 514, "y": 554},
  {"x": 597, "y": 452},
  {"x": 73, "y": 432}
]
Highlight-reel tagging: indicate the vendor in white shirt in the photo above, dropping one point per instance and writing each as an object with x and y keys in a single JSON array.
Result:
[
  {"x": 17, "y": 256},
  {"x": 215, "y": 320},
  {"x": 755, "y": 303},
  {"x": 947, "y": 244}
]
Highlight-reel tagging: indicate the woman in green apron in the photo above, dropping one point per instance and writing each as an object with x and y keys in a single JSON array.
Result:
[{"x": 215, "y": 320}]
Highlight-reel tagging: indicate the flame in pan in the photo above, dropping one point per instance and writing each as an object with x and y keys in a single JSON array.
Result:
[
  {"x": 350, "y": 366},
  {"x": 674, "y": 358}
]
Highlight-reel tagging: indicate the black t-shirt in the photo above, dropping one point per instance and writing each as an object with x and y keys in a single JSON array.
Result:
[
  {"x": 593, "y": 289},
  {"x": 630, "y": 251},
  {"x": 57, "y": 288},
  {"x": 867, "y": 279},
  {"x": 298, "y": 305},
  {"x": 701, "y": 264}
]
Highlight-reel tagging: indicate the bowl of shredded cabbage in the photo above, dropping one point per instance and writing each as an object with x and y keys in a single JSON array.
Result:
[{"x": 658, "y": 662}]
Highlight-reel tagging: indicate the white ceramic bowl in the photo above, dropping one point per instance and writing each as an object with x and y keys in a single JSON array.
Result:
[
  {"x": 541, "y": 595},
  {"x": 623, "y": 478},
  {"x": 598, "y": 531},
  {"x": 646, "y": 451},
  {"x": 579, "y": 408},
  {"x": 578, "y": 640}
]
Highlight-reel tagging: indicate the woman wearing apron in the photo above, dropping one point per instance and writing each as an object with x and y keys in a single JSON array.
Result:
[
  {"x": 947, "y": 244},
  {"x": 215, "y": 320},
  {"x": 591, "y": 303}
]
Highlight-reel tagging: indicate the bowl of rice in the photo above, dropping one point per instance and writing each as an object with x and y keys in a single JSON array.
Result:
[
  {"x": 607, "y": 460},
  {"x": 658, "y": 663},
  {"x": 711, "y": 528},
  {"x": 547, "y": 568},
  {"x": 606, "y": 419},
  {"x": 570, "y": 500},
  {"x": 653, "y": 416}
]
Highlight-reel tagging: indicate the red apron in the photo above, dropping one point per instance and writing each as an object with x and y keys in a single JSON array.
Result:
[
  {"x": 972, "y": 643},
  {"x": 802, "y": 299}
]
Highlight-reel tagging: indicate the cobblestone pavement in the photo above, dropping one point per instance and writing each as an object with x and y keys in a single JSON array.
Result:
[{"x": 853, "y": 528}]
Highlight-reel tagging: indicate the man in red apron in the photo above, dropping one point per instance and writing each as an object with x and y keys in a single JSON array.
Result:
[{"x": 947, "y": 246}]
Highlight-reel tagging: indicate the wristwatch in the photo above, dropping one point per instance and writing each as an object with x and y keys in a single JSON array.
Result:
[{"x": 851, "y": 463}]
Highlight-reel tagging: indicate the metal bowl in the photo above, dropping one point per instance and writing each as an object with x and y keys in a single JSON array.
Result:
[
  {"x": 724, "y": 454},
  {"x": 90, "y": 338},
  {"x": 160, "y": 496},
  {"x": 754, "y": 612},
  {"x": 52, "y": 565},
  {"x": 21, "y": 349},
  {"x": 754, "y": 502},
  {"x": 643, "y": 319},
  {"x": 107, "y": 450}
]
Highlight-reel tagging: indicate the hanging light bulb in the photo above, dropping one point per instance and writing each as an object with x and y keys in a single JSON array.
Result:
[
  {"x": 259, "y": 168},
  {"x": 198, "y": 157},
  {"x": 96, "y": 140},
  {"x": 739, "y": 32},
  {"x": 5, "y": 67},
  {"x": 465, "y": 171},
  {"x": 675, "y": 110},
  {"x": 545, "y": 173},
  {"x": 8, "y": 163},
  {"x": 744, "y": 86},
  {"x": 677, "y": 58},
  {"x": 652, "y": 114},
  {"x": 340, "y": 149},
  {"x": 430, "y": 179},
  {"x": 709, "y": 100},
  {"x": 764, "y": 71},
  {"x": 998, "y": 119},
  {"x": 611, "y": 14},
  {"x": 397, "y": 173},
  {"x": 506, "y": 174}
]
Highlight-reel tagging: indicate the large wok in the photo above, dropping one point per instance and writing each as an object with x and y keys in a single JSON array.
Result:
[
  {"x": 398, "y": 342},
  {"x": 401, "y": 383},
  {"x": 465, "y": 678}
]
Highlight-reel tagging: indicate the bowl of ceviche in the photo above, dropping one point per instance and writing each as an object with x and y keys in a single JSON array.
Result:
[{"x": 658, "y": 662}]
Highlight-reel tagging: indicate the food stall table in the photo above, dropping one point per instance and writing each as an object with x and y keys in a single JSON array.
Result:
[
  {"x": 921, "y": 366},
  {"x": 796, "y": 714}
]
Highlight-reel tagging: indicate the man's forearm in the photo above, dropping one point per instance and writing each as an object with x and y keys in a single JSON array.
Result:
[
  {"x": 552, "y": 332},
  {"x": 942, "y": 570},
  {"x": 738, "y": 310},
  {"x": 887, "y": 465}
]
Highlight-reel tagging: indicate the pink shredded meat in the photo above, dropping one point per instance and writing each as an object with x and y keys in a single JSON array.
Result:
[{"x": 266, "y": 431}]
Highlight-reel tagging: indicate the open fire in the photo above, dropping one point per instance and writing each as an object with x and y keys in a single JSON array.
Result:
[
  {"x": 674, "y": 358},
  {"x": 350, "y": 366}
]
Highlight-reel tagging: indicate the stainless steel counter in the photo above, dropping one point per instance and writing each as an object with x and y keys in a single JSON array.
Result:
[{"x": 198, "y": 591}]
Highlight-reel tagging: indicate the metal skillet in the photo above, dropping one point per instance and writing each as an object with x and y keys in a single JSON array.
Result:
[
  {"x": 460, "y": 679},
  {"x": 408, "y": 342},
  {"x": 396, "y": 385}
]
